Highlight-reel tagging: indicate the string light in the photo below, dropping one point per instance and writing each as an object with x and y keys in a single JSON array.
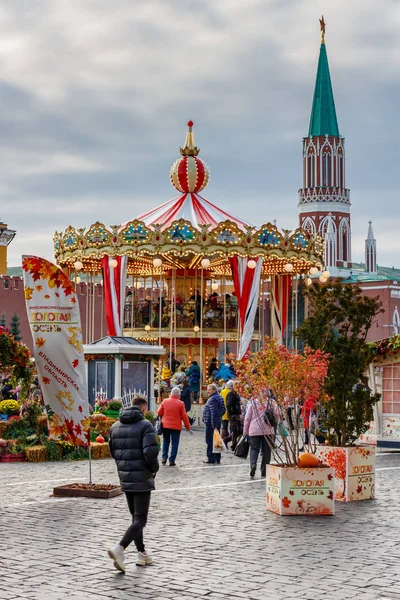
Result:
[
  {"x": 205, "y": 263},
  {"x": 196, "y": 328},
  {"x": 313, "y": 271},
  {"x": 326, "y": 274},
  {"x": 323, "y": 279},
  {"x": 77, "y": 279},
  {"x": 78, "y": 265},
  {"x": 157, "y": 262},
  {"x": 251, "y": 264},
  {"x": 288, "y": 267},
  {"x": 113, "y": 263},
  {"x": 214, "y": 285},
  {"x": 308, "y": 281},
  {"x": 147, "y": 328}
]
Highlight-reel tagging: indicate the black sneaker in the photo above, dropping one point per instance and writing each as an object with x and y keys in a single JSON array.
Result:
[
  {"x": 253, "y": 470},
  {"x": 172, "y": 464},
  {"x": 164, "y": 461}
]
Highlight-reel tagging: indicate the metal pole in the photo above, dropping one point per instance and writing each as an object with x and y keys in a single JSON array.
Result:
[
  {"x": 201, "y": 329},
  {"x": 90, "y": 462},
  {"x": 224, "y": 292},
  {"x": 87, "y": 310}
]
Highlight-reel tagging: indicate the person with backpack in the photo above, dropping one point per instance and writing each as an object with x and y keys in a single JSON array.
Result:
[
  {"x": 134, "y": 447},
  {"x": 194, "y": 379},
  {"x": 259, "y": 424},
  {"x": 234, "y": 410}
]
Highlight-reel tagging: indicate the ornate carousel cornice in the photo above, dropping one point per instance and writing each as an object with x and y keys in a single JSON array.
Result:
[{"x": 181, "y": 245}]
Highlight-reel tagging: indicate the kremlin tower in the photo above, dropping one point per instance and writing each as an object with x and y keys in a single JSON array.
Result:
[{"x": 324, "y": 201}]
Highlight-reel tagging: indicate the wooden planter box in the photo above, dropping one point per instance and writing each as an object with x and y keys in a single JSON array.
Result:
[
  {"x": 79, "y": 490},
  {"x": 354, "y": 471},
  {"x": 305, "y": 492},
  {"x": 13, "y": 458}
]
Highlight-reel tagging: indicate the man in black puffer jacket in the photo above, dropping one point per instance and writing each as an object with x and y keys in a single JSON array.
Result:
[{"x": 133, "y": 445}]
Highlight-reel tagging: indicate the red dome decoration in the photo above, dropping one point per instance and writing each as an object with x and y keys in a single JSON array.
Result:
[{"x": 189, "y": 174}]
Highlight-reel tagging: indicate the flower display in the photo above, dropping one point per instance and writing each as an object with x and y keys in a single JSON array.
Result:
[{"x": 9, "y": 407}]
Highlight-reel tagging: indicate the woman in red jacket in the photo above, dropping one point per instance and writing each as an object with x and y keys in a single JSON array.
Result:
[{"x": 172, "y": 412}]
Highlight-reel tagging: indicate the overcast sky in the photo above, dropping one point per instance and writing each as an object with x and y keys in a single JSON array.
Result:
[{"x": 95, "y": 96}]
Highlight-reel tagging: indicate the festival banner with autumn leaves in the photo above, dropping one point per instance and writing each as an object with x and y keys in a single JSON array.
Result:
[{"x": 54, "y": 318}]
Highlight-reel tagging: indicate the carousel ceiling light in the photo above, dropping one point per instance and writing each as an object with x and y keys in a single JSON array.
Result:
[
  {"x": 205, "y": 263},
  {"x": 113, "y": 263},
  {"x": 147, "y": 328},
  {"x": 251, "y": 264},
  {"x": 323, "y": 279},
  {"x": 196, "y": 328},
  {"x": 308, "y": 281},
  {"x": 326, "y": 274},
  {"x": 214, "y": 286},
  {"x": 78, "y": 265},
  {"x": 313, "y": 271},
  {"x": 288, "y": 267},
  {"x": 157, "y": 262}
]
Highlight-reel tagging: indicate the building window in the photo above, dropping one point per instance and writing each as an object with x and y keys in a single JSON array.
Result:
[
  {"x": 309, "y": 226},
  {"x": 101, "y": 377},
  {"x": 344, "y": 240},
  {"x": 340, "y": 171},
  {"x": 326, "y": 169},
  {"x": 311, "y": 170},
  {"x": 391, "y": 389}
]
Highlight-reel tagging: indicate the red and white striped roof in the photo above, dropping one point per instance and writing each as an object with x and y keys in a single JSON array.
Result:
[{"x": 191, "y": 207}]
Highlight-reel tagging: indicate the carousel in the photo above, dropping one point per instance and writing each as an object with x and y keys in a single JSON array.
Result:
[{"x": 188, "y": 275}]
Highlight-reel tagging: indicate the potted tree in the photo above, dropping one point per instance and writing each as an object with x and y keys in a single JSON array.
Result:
[
  {"x": 338, "y": 324},
  {"x": 298, "y": 483}
]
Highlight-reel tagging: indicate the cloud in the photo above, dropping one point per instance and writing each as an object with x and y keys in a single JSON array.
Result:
[{"x": 95, "y": 95}]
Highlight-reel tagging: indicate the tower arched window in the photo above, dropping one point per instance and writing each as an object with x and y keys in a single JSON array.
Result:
[
  {"x": 344, "y": 240},
  {"x": 326, "y": 169},
  {"x": 340, "y": 163},
  {"x": 309, "y": 226},
  {"x": 311, "y": 168}
]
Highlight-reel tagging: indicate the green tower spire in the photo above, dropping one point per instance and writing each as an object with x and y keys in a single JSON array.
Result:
[{"x": 323, "y": 114}]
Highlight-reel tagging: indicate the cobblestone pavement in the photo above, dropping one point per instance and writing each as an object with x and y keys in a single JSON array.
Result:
[{"x": 208, "y": 532}]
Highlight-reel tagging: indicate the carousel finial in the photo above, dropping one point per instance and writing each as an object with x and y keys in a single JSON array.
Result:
[{"x": 189, "y": 148}]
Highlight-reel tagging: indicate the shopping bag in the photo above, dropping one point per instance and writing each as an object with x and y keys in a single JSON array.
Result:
[
  {"x": 159, "y": 426},
  {"x": 217, "y": 442},
  {"x": 242, "y": 449}
]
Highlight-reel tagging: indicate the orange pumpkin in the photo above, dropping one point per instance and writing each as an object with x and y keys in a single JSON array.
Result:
[
  {"x": 100, "y": 439},
  {"x": 308, "y": 460}
]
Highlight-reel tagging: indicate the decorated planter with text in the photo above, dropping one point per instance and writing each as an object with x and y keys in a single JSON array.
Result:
[
  {"x": 354, "y": 471},
  {"x": 296, "y": 491}
]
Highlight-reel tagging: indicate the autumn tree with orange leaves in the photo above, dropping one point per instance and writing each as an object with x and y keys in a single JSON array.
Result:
[{"x": 291, "y": 377}]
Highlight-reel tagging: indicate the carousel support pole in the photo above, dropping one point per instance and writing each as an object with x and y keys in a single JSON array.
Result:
[
  {"x": 87, "y": 310},
  {"x": 293, "y": 301},
  {"x": 296, "y": 309},
  {"x": 224, "y": 292},
  {"x": 94, "y": 285},
  {"x": 160, "y": 332},
  {"x": 201, "y": 329},
  {"x": 171, "y": 325},
  {"x": 102, "y": 311}
]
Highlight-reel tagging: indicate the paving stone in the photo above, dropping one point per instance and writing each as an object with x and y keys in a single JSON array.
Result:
[{"x": 210, "y": 539}]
